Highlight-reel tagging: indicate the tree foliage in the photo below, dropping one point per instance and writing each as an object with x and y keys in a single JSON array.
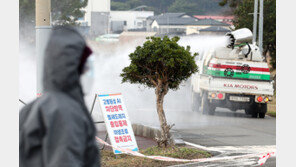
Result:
[
  {"x": 184, "y": 5},
  {"x": 231, "y": 3},
  {"x": 62, "y": 12},
  {"x": 120, "y": 6},
  {"x": 161, "y": 64},
  {"x": 162, "y": 6},
  {"x": 67, "y": 11},
  {"x": 160, "y": 60},
  {"x": 200, "y": 7},
  {"x": 27, "y": 19}
]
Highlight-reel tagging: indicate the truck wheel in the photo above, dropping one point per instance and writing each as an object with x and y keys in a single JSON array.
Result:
[
  {"x": 262, "y": 110},
  {"x": 198, "y": 101},
  {"x": 254, "y": 114},
  {"x": 247, "y": 112},
  {"x": 249, "y": 109},
  {"x": 195, "y": 102},
  {"x": 261, "y": 115},
  {"x": 252, "y": 110},
  {"x": 258, "y": 110},
  {"x": 206, "y": 106}
]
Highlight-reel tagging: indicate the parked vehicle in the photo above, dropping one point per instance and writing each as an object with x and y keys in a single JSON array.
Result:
[{"x": 109, "y": 38}]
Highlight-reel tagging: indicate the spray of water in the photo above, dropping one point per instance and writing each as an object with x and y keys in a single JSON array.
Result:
[
  {"x": 27, "y": 73},
  {"x": 140, "y": 101}
]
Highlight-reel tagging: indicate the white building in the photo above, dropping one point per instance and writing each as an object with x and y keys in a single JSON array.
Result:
[
  {"x": 131, "y": 19},
  {"x": 97, "y": 16},
  {"x": 180, "y": 23},
  {"x": 102, "y": 20},
  {"x": 96, "y": 6}
]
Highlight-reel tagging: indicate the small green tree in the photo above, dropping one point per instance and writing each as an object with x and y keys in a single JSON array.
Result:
[{"x": 161, "y": 64}]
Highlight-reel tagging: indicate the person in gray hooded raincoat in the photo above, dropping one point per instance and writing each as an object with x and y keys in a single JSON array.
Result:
[{"x": 56, "y": 130}]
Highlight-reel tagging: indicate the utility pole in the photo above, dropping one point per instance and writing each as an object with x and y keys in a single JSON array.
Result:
[
  {"x": 43, "y": 29},
  {"x": 261, "y": 27},
  {"x": 255, "y": 21}
]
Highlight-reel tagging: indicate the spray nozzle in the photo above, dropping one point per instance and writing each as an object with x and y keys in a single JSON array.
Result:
[{"x": 239, "y": 37}]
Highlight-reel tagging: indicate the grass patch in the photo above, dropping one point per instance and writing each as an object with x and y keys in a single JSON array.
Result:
[
  {"x": 271, "y": 107},
  {"x": 111, "y": 160},
  {"x": 271, "y": 113}
]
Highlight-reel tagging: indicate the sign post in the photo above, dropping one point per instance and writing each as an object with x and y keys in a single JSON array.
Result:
[{"x": 117, "y": 122}]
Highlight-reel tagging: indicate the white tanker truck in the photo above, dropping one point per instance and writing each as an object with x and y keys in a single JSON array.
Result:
[{"x": 234, "y": 77}]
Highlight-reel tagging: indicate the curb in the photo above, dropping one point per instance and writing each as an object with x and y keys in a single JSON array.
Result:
[{"x": 152, "y": 132}]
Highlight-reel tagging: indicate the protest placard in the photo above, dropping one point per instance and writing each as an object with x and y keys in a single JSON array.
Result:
[{"x": 117, "y": 122}]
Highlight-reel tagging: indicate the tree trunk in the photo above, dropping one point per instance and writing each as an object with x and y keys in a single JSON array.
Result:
[{"x": 161, "y": 91}]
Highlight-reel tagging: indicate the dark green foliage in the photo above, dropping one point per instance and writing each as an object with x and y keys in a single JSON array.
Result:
[
  {"x": 27, "y": 20},
  {"x": 26, "y": 10},
  {"x": 67, "y": 11},
  {"x": 158, "y": 6},
  {"x": 231, "y": 3},
  {"x": 63, "y": 11},
  {"x": 125, "y": 5},
  {"x": 119, "y": 6},
  {"x": 160, "y": 61},
  {"x": 244, "y": 19},
  {"x": 191, "y": 7},
  {"x": 200, "y": 7}
]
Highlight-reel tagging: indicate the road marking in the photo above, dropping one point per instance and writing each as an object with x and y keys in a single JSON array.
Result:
[
  {"x": 201, "y": 147},
  {"x": 264, "y": 152}
]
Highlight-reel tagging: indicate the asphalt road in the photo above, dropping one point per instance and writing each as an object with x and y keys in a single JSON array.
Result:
[
  {"x": 232, "y": 133},
  {"x": 227, "y": 128}
]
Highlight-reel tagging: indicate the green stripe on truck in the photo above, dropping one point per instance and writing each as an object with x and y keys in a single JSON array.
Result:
[{"x": 233, "y": 74}]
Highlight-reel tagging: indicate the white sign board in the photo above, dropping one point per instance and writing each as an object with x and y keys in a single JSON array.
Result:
[{"x": 117, "y": 122}]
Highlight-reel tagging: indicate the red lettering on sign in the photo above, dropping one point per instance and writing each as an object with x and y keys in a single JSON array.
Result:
[
  {"x": 107, "y": 108},
  {"x": 241, "y": 86},
  {"x": 124, "y": 122},
  {"x": 112, "y": 124},
  {"x": 116, "y": 139},
  {"x": 120, "y": 139},
  {"x": 116, "y": 123},
  {"x": 115, "y": 108},
  {"x": 124, "y": 138},
  {"x": 120, "y": 107},
  {"x": 129, "y": 138},
  {"x": 120, "y": 123}
]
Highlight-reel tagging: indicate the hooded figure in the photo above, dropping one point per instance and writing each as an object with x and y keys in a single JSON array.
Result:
[{"x": 56, "y": 130}]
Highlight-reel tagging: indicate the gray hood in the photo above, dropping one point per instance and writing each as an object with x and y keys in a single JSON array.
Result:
[
  {"x": 56, "y": 130},
  {"x": 62, "y": 59}
]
